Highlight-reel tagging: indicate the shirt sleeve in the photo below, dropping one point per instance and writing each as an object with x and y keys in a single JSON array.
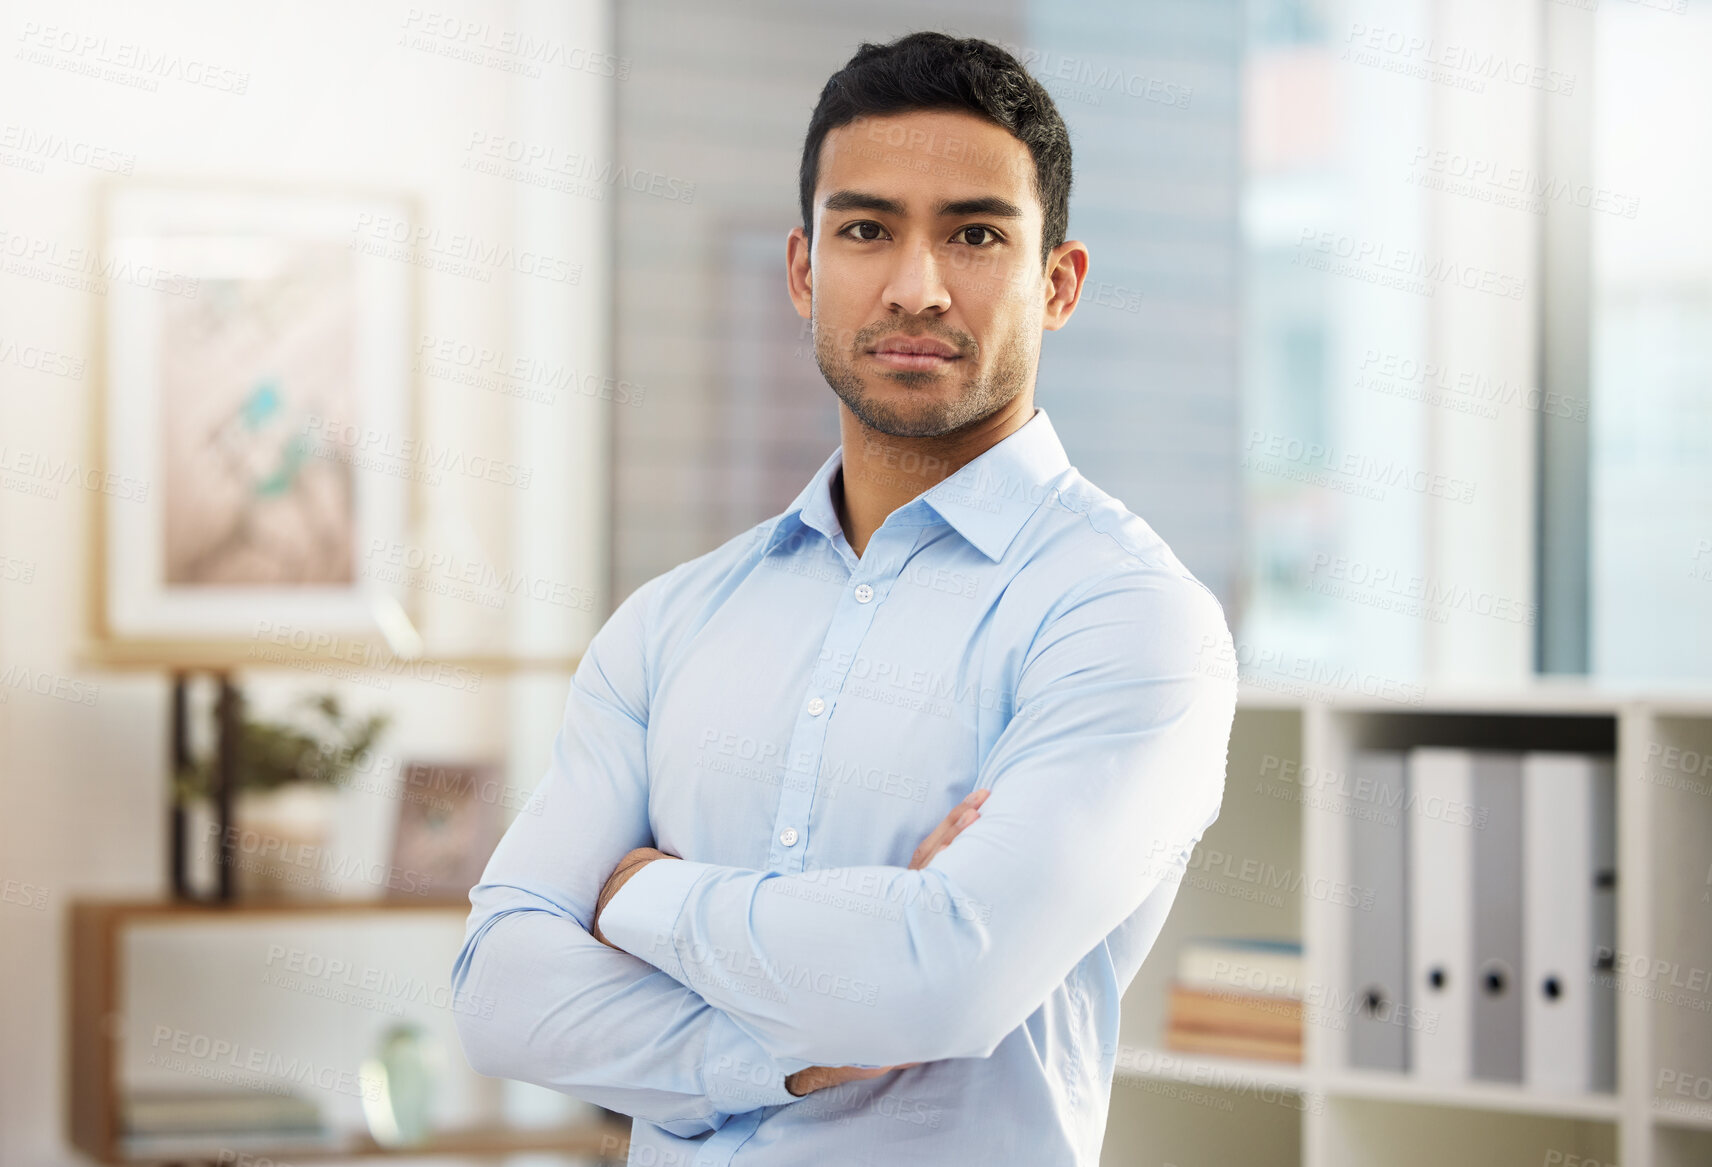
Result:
[
  {"x": 1103, "y": 781},
  {"x": 536, "y": 997}
]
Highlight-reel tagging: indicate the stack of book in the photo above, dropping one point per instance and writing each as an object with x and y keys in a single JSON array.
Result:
[
  {"x": 160, "y": 1119},
  {"x": 1238, "y": 999}
]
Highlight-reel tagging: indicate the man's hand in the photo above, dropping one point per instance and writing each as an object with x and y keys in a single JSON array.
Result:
[
  {"x": 949, "y": 828},
  {"x": 633, "y": 862},
  {"x": 819, "y": 1077}
]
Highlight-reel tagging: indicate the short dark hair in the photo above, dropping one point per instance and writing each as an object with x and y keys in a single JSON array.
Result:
[{"x": 930, "y": 70}]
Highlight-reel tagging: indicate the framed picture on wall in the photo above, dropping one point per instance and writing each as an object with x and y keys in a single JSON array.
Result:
[
  {"x": 254, "y": 430},
  {"x": 449, "y": 822}
]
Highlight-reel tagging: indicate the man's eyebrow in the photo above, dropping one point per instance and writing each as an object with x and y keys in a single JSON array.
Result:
[
  {"x": 856, "y": 200},
  {"x": 990, "y": 205}
]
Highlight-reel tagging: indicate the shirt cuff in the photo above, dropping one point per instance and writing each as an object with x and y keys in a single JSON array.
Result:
[
  {"x": 642, "y": 917},
  {"x": 738, "y": 1074}
]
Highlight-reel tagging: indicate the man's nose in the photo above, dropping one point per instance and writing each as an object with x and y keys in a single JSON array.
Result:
[{"x": 917, "y": 283}]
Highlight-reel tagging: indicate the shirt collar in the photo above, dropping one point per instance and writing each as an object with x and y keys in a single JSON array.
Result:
[{"x": 987, "y": 501}]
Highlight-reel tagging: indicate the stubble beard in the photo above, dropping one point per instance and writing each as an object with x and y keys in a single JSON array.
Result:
[{"x": 980, "y": 397}]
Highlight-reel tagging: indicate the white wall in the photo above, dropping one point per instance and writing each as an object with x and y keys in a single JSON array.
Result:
[{"x": 331, "y": 94}]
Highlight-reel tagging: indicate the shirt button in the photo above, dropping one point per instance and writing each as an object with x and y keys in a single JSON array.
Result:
[
  {"x": 788, "y": 836},
  {"x": 815, "y": 705},
  {"x": 864, "y": 593}
]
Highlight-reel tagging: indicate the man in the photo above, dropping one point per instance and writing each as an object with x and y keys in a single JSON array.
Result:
[{"x": 751, "y": 904}]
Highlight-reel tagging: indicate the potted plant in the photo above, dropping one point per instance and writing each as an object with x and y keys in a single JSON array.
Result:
[{"x": 288, "y": 774}]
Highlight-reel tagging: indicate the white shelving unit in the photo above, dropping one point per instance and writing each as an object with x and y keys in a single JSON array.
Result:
[{"x": 1283, "y": 834}]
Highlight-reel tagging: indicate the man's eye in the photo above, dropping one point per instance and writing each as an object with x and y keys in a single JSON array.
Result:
[
  {"x": 976, "y": 236},
  {"x": 861, "y": 230}
]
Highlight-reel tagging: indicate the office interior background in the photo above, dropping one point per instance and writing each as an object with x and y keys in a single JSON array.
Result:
[{"x": 1398, "y": 329}]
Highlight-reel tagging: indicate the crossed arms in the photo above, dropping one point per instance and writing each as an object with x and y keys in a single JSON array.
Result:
[{"x": 1102, "y": 782}]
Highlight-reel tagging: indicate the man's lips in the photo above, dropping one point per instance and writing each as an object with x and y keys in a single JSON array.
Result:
[
  {"x": 914, "y": 353},
  {"x": 915, "y": 361}
]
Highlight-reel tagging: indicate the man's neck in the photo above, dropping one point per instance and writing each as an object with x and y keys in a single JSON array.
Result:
[{"x": 881, "y": 473}]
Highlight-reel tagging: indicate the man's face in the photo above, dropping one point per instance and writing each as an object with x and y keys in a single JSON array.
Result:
[{"x": 924, "y": 285}]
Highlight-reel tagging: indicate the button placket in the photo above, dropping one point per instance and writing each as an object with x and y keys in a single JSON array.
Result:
[{"x": 844, "y": 636}]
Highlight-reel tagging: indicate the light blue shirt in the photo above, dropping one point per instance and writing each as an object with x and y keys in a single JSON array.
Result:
[{"x": 793, "y": 721}]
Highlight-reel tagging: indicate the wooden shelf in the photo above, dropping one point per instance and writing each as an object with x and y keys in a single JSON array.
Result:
[
  {"x": 183, "y": 910},
  {"x": 94, "y": 942},
  {"x": 609, "y": 1141},
  {"x": 240, "y": 656}
]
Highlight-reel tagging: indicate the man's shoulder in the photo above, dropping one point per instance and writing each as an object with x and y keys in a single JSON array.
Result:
[
  {"x": 1086, "y": 535},
  {"x": 1093, "y": 566}
]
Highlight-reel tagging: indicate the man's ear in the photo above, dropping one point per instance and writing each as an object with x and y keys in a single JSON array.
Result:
[
  {"x": 799, "y": 277},
  {"x": 1066, "y": 273}
]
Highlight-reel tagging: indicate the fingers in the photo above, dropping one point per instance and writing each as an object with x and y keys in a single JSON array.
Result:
[
  {"x": 959, "y": 817},
  {"x": 819, "y": 1077},
  {"x": 939, "y": 836},
  {"x": 838, "y": 1075},
  {"x": 956, "y": 819}
]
